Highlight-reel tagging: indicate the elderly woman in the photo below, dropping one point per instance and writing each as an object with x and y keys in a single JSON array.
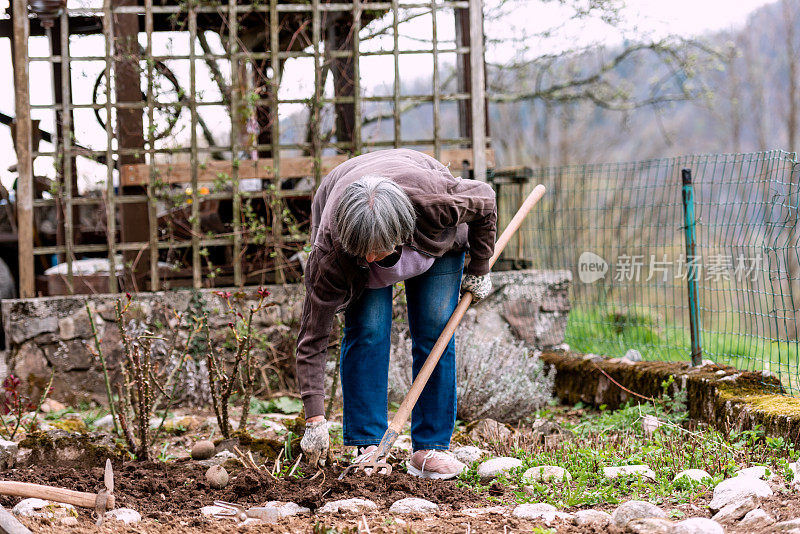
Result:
[{"x": 380, "y": 218}]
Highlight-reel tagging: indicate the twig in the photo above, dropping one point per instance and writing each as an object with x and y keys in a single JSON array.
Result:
[
  {"x": 102, "y": 359},
  {"x": 291, "y": 472},
  {"x": 277, "y": 467},
  {"x": 651, "y": 399}
]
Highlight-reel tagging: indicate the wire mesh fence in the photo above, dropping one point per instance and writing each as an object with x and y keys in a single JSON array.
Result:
[{"x": 619, "y": 228}]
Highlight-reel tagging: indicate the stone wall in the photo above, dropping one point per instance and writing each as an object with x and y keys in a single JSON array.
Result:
[{"x": 54, "y": 333}]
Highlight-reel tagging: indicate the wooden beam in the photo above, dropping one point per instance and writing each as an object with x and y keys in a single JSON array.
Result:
[
  {"x": 177, "y": 173},
  {"x": 477, "y": 89},
  {"x": 24, "y": 149}
]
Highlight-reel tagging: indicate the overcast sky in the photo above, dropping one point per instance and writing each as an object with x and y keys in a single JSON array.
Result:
[{"x": 656, "y": 18}]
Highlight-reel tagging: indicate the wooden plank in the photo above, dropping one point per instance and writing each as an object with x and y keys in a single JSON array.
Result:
[
  {"x": 176, "y": 173},
  {"x": 24, "y": 148},
  {"x": 10, "y": 524}
]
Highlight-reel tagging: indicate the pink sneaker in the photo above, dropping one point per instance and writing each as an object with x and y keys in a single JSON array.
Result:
[{"x": 434, "y": 464}]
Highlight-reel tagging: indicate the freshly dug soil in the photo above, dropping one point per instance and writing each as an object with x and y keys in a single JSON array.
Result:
[{"x": 176, "y": 491}]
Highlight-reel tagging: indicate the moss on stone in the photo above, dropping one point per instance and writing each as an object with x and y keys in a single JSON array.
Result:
[{"x": 70, "y": 425}]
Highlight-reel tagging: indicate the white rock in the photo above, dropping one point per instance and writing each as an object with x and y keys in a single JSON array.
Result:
[
  {"x": 8, "y": 453},
  {"x": 649, "y": 525},
  {"x": 737, "y": 489},
  {"x": 492, "y": 468},
  {"x": 791, "y": 526},
  {"x": 758, "y": 471},
  {"x": 413, "y": 505},
  {"x": 643, "y": 470},
  {"x": 475, "y": 512},
  {"x": 468, "y": 454},
  {"x": 43, "y": 509},
  {"x": 546, "y": 473},
  {"x": 69, "y": 521},
  {"x": 210, "y": 511},
  {"x": 126, "y": 515},
  {"x": 592, "y": 517},
  {"x": 539, "y": 510},
  {"x": 404, "y": 443},
  {"x": 756, "y": 519},
  {"x": 104, "y": 423},
  {"x": 352, "y": 506},
  {"x": 218, "y": 459},
  {"x": 633, "y": 355},
  {"x": 631, "y": 510},
  {"x": 736, "y": 510},
  {"x": 650, "y": 423},
  {"x": 692, "y": 474},
  {"x": 287, "y": 509},
  {"x": 697, "y": 525}
]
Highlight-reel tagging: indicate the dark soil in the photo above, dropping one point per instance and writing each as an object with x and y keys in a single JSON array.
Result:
[{"x": 176, "y": 491}]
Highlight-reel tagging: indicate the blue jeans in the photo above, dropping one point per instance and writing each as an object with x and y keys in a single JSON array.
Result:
[{"x": 432, "y": 297}]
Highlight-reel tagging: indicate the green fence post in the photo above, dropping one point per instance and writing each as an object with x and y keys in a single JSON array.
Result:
[{"x": 691, "y": 265}]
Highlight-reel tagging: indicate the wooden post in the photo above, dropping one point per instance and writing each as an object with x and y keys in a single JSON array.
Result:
[
  {"x": 463, "y": 39},
  {"x": 24, "y": 148},
  {"x": 477, "y": 89}
]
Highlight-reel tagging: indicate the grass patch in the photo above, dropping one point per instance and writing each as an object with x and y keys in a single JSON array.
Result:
[{"x": 616, "y": 438}]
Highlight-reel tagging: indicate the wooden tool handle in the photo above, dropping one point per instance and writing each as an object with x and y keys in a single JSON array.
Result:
[
  {"x": 404, "y": 411},
  {"x": 49, "y": 493}
]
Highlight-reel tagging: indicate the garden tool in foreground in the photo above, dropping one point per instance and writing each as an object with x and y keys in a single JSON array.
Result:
[
  {"x": 377, "y": 461},
  {"x": 101, "y": 501}
]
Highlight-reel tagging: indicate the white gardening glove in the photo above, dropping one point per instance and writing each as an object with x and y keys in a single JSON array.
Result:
[
  {"x": 315, "y": 443},
  {"x": 479, "y": 286}
]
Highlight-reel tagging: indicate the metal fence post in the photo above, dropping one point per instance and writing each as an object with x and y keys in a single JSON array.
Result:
[{"x": 691, "y": 265}]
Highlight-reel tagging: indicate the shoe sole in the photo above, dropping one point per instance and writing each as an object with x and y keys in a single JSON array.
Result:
[{"x": 435, "y": 476}]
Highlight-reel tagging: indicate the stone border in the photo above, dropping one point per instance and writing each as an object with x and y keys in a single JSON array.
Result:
[{"x": 718, "y": 395}]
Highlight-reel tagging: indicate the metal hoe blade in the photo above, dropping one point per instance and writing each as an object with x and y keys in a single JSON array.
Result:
[{"x": 376, "y": 463}]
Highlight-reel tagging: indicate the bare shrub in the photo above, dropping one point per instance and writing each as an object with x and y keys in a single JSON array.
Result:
[{"x": 498, "y": 378}]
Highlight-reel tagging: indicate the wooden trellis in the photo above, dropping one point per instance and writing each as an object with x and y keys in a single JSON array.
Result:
[{"x": 257, "y": 40}]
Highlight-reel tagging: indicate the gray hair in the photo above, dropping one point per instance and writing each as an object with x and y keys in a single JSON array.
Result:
[{"x": 374, "y": 215}]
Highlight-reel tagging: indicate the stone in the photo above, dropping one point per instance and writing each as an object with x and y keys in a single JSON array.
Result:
[
  {"x": 697, "y": 475},
  {"x": 490, "y": 469},
  {"x": 43, "y": 509},
  {"x": 104, "y": 423},
  {"x": 631, "y": 510},
  {"x": 287, "y": 509},
  {"x": 203, "y": 450},
  {"x": 489, "y": 430},
  {"x": 592, "y": 517},
  {"x": 792, "y": 525},
  {"x": 539, "y": 510},
  {"x": 650, "y": 424},
  {"x": 758, "y": 471},
  {"x": 546, "y": 473},
  {"x": 8, "y": 453},
  {"x": 643, "y": 470},
  {"x": 52, "y": 405},
  {"x": 20, "y": 331},
  {"x": 649, "y": 525},
  {"x": 128, "y": 516},
  {"x": 413, "y": 505},
  {"x": 633, "y": 355},
  {"x": 697, "y": 525},
  {"x": 217, "y": 477},
  {"x": 264, "y": 514},
  {"x": 756, "y": 519},
  {"x": 348, "y": 506},
  {"x": 736, "y": 510},
  {"x": 468, "y": 454},
  {"x": 738, "y": 489},
  {"x": 69, "y": 521},
  {"x": 475, "y": 512},
  {"x": 219, "y": 459}
]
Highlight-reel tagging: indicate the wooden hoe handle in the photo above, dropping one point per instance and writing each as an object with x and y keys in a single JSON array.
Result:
[
  {"x": 49, "y": 493},
  {"x": 424, "y": 374}
]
